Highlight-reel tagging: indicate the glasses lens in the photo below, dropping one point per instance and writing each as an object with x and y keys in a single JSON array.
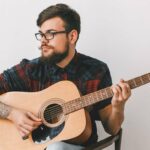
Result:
[
  {"x": 38, "y": 36},
  {"x": 49, "y": 35}
]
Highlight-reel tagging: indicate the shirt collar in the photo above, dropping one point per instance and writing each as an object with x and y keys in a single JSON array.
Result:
[{"x": 70, "y": 68}]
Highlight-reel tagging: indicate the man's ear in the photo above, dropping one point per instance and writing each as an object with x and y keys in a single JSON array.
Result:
[{"x": 73, "y": 36}]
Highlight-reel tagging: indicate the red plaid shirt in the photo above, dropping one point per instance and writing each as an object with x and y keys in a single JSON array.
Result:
[{"x": 87, "y": 73}]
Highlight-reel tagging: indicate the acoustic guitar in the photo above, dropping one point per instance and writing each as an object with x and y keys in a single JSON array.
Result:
[{"x": 59, "y": 104}]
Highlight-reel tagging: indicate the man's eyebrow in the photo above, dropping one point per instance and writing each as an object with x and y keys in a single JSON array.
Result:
[
  {"x": 40, "y": 31},
  {"x": 50, "y": 30}
]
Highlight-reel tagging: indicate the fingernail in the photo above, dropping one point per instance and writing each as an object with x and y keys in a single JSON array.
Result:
[{"x": 25, "y": 137}]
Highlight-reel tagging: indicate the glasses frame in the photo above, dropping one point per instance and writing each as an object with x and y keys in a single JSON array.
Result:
[{"x": 50, "y": 32}]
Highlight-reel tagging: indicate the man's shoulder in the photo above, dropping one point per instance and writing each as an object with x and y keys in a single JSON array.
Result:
[
  {"x": 28, "y": 62},
  {"x": 91, "y": 61}
]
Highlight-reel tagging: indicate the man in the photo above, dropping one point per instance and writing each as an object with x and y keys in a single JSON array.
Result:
[{"x": 59, "y": 29}]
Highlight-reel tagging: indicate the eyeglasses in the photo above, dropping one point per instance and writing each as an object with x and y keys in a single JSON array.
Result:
[{"x": 49, "y": 35}]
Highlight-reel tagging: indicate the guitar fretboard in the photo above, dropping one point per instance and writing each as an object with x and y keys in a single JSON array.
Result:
[{"x": 100, "y": 95}]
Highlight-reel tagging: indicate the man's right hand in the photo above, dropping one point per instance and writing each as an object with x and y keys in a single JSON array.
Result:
[{"x": 25, "y": 122}]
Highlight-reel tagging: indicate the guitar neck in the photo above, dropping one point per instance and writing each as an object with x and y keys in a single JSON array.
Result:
[{"x": 102, "y": 94}]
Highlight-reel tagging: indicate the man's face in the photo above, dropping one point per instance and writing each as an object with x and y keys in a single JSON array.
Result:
[{"x": 56, "y": 49}]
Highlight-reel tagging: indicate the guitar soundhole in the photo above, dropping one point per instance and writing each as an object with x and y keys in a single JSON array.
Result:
[{"x": 53, "y": 113}]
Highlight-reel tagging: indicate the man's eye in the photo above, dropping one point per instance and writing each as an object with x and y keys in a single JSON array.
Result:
[{"x": 50, "y": 33}]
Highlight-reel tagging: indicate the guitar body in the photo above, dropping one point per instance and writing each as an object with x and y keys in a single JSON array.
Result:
[{"x": 77, "y": 127}]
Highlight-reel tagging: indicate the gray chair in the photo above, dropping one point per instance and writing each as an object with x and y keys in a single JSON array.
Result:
[{"x": 114, "y": 139}]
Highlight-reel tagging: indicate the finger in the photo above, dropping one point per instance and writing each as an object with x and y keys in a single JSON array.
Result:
[
  {"x": 24, "y": 131},
  {"x": 32, "y": 123},
  {"x": 119, "y": 89},
  {"x": 126, "y": 91},
  {"x": 21, "y": 133},
  {"x": 25, "y": 137},
  {"x": 115, "y": 99},
  {"x": 33, "y": 117},
  {"x": 115, "y": 91},
  {"x": 119, "y": 96},
  {"x": 122, "y": 80},
  {"x": 28, "y": 127}
]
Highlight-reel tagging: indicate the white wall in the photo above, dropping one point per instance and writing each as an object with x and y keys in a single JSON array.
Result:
[{"x": 117, "y": 32}]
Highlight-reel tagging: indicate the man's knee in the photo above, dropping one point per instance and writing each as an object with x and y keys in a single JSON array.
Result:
[{"x": 57, "y": 146}]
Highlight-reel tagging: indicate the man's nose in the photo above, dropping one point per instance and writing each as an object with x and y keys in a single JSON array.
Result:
[{"x": 44, "y": 40}]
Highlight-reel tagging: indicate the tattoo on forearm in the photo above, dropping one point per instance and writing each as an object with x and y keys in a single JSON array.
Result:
[{"x": 4, "y": 110}]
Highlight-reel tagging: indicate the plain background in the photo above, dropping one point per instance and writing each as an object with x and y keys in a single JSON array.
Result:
[{"x": 114, "y": 31}]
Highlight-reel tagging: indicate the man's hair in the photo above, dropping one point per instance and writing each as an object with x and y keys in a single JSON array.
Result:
[{"x": 70, "y": 17}]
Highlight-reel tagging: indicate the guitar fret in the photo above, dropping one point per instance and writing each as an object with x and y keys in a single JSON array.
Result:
[
  {"x": 96, "y": 97},
  {"x": 68, "y": 108},
  {"x": 109, "y": 92},
  {"x": 134, "y": 81},
  {"x": 80, "y": 103},
  {"x": 106, "y": 94},
  {"x": 89, "y": 98},
  {"x": 103, "y": 93},
  {"x": 88, "y": 101},
  {"x": 64, "y": 108},
  {"x": 145, "y": 78},
  {"x": 131, "y": 83},
  {"x": 99, "y": 95},
  {"x": 83, "y": 101},
  {"x": 77, "y": 104},
  {"x": 141, "y": 80},
  {"x": 70, "y": 105},
  {"x": 138, "y": 81},
  {"x": 149, "y": 76},
  {"x": 93, "y": 98}
]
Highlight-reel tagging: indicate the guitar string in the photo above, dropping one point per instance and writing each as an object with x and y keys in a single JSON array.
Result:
[
  {"x": 81, "y": 99},
  {"x": 56, "y": 105},
  {"x": 56, "y": 108},
  {"x": 48, "y": 118},
  {"x": 53, "y": 110},
  {"x": 86, "y": 97},
  {"x": 53, "y": 114},
  {"x": 75, "y": 100}
]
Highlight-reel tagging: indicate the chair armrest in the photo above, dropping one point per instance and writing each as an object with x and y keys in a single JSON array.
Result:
[{"x": 107, "y": 142}]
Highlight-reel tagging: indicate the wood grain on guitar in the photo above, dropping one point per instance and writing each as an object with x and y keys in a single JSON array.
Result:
[{"x": 58, "y": 105}]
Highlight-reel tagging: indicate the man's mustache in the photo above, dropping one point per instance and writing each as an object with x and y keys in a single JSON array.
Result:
[{"x": 48, "y": 46}]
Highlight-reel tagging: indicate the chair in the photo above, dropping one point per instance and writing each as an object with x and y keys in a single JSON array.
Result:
[{"x": 116, "y": 139}]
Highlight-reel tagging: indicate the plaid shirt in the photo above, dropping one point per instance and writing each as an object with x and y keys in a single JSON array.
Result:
[{"x": 87, "y": 73}]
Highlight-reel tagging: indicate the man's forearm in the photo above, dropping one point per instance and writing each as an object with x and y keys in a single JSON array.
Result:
[
  {"x": 115, "y": 121},
  {"x": 4, "y": 110}
]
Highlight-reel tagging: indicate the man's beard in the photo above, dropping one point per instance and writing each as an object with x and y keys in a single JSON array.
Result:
[{"x": 55, "y": 57}]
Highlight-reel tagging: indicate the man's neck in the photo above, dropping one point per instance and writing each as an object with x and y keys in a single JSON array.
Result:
[{"x": 67, "y": 60}]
